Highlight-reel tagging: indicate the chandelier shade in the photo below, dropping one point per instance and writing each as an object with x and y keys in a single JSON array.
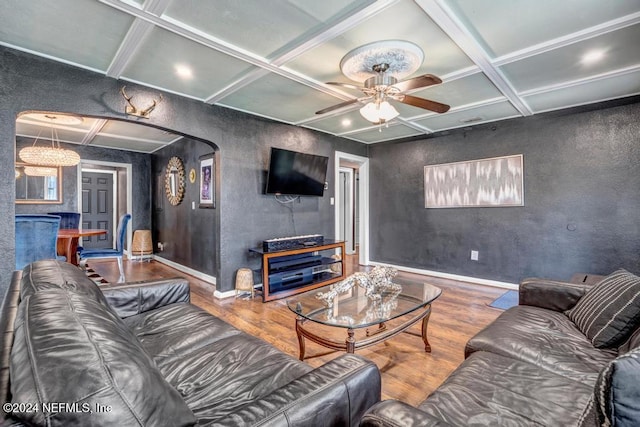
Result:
[
  {"x": 49, "y": 156},
  {"x": 379, "y": 112},
  {"x": 40, "y": 171}
]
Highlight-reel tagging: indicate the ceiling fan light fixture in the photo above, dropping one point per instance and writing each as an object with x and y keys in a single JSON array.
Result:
[{"x": 379, "y": 112}]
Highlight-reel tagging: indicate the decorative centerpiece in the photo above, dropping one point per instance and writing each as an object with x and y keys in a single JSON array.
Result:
[{"x": 374, "y": 282}]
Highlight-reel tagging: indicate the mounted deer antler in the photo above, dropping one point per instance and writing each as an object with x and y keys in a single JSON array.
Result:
[{"x": 135, "y": 111}]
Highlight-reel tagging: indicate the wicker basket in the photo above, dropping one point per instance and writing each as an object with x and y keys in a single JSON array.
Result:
[
  {"x": 244, "y": 281},
  {"x": 142, "y": 245}
]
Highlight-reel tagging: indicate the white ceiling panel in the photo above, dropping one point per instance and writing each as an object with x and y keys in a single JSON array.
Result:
[
  {"x": 469, "y": 117},
  {"x": 139, "y": 131},
  {"x": 125, "y": 144},
  {"x": 340, "y": 123},
  {"x": 286, "y": 100},
  {"x": 468, "y": 90},
  {"x": 505, "y": 26},
  {"x": 620, "y": 49},
  {"x": 403, "y": 20},
  {"x": 268, "y": 25},
  {"x": 43, "y": 132},
  {"x": 37, "y": 120},
  {"x": 499, "y": 58},
  {"x": 378, "y": 134},
  {"x": 98, "y": 132},
  {"x": 82, "y": 32},
  {"x": 156, "y": 59},
  {"x": 586, "y": 93}
]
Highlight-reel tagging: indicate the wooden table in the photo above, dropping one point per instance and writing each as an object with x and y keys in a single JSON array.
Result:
[{"x": 68, "y": 238}]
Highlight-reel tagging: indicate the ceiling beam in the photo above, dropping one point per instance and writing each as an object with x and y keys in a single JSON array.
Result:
[
  {"x": 212, "y": 42},
  {"x": 137, "y": 33},
  {"x": 569, "y": 39},
  {"x": 331, "y": 30},
  {"x": 93, "y": 131},
  {"x": 461, "y": 36}
]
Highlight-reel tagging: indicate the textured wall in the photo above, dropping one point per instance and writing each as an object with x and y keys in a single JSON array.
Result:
[
  {"x": 246, "y": 215},
  {"x": 173, "y": 223},
  {"x": 581, "y": 208}
]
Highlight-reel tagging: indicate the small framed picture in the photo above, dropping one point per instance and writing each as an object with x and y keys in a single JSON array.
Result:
[{"x": 207, "y": 181}]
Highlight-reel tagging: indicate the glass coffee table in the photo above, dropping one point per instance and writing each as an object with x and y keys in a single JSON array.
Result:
[{"x": 354, "y": 310}]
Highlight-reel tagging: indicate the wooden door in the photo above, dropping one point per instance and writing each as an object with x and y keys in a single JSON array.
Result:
[{"x": 97, "y": 208}]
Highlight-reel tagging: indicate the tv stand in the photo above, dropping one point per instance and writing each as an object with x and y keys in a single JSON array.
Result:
[{"x": 296, "y": 270}]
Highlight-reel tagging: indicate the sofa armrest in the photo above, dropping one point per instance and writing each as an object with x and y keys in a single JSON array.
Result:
[
  {"x": 394, "y": 413},
  {"x": 336, "y": 393},
  {"x": 133, "y": 298},
  {"x": 551, "y": 294}
]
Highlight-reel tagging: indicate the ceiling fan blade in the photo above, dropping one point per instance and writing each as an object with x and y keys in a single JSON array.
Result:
[
  {"x": 424, "y": 103},
  {"x": 347, "y": 85},
  {"x": 337, "y": 106},
  {"x": 416, "y": 82}
]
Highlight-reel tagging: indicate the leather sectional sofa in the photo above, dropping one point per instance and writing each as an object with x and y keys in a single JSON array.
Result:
[
  {"x": 533, "y": 367},
  {"x": 141, "y": 354}
]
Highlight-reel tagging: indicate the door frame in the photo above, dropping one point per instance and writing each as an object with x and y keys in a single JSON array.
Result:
[
  {"x": 349, "y": 199},
  {"x": 128, "y": 168},
  {"x": 363, "y": 201}
]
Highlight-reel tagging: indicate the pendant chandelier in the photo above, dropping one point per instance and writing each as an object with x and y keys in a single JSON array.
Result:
[{"x": 53, "y": 155}]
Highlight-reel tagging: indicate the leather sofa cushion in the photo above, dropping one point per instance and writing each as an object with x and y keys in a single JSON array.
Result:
[
  {"x": 546, "y": 338},
  {"x": 491, "y": 390},
  {"x": 45, "y": 275},
  {"x": 215, "y": 367},
  {"x": 175, "y": 330},
  {"x": 610, "y": 311},
  {"x": 72, "y": 349},
  {"x": 218, "y": 379}
]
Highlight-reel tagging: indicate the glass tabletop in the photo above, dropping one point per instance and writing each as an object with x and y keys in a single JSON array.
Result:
[{"x": 354, "y": 309}]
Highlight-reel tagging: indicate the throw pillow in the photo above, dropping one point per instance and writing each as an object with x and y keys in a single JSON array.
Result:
[
  {"x": 617, "y": 391},
  {"x": 610, "y": 311}
]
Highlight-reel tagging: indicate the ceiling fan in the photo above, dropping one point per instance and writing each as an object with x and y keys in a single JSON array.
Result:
[{"x": 389, "y": 59}]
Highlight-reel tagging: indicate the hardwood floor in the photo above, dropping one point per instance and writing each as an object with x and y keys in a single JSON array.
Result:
[{"x": 408, "y": 373}]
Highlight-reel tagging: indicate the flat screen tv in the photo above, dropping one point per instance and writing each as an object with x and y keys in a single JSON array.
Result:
[{"x": 296, "y": 174}]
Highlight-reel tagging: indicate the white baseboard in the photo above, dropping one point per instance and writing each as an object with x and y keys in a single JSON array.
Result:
[
  {"x": 487, "y": 282},
  {"x": 225, "y": 294},
  {"x": 232, "y": 292},
  {"x": 195, "y": 273}
]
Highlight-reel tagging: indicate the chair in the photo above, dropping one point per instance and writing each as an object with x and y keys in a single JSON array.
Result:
[
  {"x": 117, "y": 253},
  {"x": 36, "y": 237},
  {"x": 68, "y": 219}
]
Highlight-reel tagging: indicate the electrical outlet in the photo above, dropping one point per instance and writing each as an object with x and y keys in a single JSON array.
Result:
[
  {"x": 160, "y": 246},
  {"x": 474, "y": 255}
]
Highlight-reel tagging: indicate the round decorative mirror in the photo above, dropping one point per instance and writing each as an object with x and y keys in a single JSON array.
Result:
[{"x": 174, "y": 181}]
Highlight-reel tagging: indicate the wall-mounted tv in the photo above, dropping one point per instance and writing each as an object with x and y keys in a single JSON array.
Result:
[{"x": 297, "y": 174}]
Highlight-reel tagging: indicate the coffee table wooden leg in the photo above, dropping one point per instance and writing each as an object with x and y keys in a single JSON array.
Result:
[
  {"x": 299, "y": 322},
  {"x": 351, "y": 341},
  {"x": 425, "y": 322}
]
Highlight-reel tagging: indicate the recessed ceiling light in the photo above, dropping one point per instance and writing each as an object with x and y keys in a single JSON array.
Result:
[
  {"x": 346, "y": 122},
  {"x": 592, "y": 57},
  {"x": 183, "y": 71}
]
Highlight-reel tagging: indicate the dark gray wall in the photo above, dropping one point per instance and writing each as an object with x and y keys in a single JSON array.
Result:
[
  {"x": 29, "y": 83},
  {"x": 190, "y": 236},
  {"x": 581, "y": 172},
  {"x": 140, "y": 180}
]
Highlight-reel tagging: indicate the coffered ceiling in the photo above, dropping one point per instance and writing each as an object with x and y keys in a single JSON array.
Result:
[{"x": 498, "y": 59}]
